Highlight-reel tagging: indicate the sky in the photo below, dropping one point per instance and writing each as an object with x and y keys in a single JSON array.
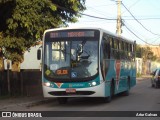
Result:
[{"x": 145, "y": 29}]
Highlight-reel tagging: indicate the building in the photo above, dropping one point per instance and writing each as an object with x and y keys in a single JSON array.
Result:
[{"x": 30, "y": 60}]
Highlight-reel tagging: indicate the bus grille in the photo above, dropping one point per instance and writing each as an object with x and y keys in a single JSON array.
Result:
[{"x": 63, "y": 93}]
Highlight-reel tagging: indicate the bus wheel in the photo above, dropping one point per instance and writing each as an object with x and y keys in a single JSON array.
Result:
[
  {"x": 156, "y": 86},
  {"x": 109, "y": 98},
  {"x": 62, "y": 100},
  {"x": 126, "y": 93}
]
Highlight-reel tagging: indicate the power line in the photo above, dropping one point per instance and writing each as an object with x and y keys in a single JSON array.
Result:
[
  {"x": 139, "y": 22},
  {"x": 92, "y": 16},
  {"x": 102, "y": 21},
  {"x": 96, "y": 17},
  {"x": 102, "y": 5},
  {"x": 140, "y": 34},
  {"x": 132, "y": 5},
  {"x": 134, "y": 33},
  {"x": 134, "y": 30},
  {"x": 149, "y": 18},
  {"x": 97, "y": 11},
  {"x": 137, "y": 36},
  {"x": 156, "y": 39},
  {"x": 63, "y": 8}
]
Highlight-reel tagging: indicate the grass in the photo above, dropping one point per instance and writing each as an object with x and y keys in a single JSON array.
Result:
[{"x": 138, "y": 75}]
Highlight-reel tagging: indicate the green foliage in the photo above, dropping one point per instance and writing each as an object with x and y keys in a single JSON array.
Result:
[
  {"x": 138, "y": 75},
  {"x": 23, "y": 22},
  {"x": 138, "y": 51},
  {"x": 147, "y": 54}
]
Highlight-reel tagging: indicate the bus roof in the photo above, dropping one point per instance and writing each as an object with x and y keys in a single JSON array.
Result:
[{"x": 96, "y": 28}]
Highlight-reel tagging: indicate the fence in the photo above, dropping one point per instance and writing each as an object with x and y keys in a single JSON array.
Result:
[{"x": 26, "y": 82}]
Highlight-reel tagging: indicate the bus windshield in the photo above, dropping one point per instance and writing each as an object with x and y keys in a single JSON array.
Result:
[{"x": 72, "y": 59}]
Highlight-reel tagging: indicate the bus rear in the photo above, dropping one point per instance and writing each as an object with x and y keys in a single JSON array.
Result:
[{"x": 71, "y": 64}]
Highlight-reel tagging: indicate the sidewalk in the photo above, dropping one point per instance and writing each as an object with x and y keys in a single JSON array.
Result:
[
  {"x": 143, "y": 77},
  {"x": 6, "y": 103}
]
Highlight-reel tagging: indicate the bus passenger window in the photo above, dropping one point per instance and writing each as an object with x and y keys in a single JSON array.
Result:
[
  {"x": 112, "y": 43},
  {"x": 115, "y": 44},
  {"x": 122, "y": 45},
  {"x": 118, "y": 45}
]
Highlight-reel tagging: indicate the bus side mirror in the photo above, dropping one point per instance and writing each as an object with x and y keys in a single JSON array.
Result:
[{"x": 38, "y": 54}]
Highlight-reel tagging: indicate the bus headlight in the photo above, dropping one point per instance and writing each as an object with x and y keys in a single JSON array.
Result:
[
  {"x": 94, "y": 83},
  {"x": 91, "y": 84},
  {"x": 47, "y": 84}
]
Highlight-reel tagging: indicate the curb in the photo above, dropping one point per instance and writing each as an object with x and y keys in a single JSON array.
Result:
[
  {"x": 142, "y": 79},
  {"x": 35, "y": 103},
  {"x": 30, "y": 104}
]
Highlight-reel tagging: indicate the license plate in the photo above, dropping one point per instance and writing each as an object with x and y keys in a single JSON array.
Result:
[{"x": 70, "y": 90}]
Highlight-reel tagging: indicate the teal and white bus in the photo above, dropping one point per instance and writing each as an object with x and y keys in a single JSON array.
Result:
[{"x": 86, "y": 62}]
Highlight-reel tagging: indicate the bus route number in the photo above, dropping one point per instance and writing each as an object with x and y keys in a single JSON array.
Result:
[{"x": 62, "y": 72}]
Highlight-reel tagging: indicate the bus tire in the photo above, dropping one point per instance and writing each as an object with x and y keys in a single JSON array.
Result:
[
  {"x": 62, "y": 100},
  {"x": 126, "y": 93},
  {"x": 109, "y": 98},
  {"x": 156, "y": 85}
]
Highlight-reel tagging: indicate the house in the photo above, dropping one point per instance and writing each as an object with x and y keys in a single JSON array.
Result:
[{"x": 30, "y": 60}]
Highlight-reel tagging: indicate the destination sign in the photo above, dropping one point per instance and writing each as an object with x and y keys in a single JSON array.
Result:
[{"x": 63, "y": 34}]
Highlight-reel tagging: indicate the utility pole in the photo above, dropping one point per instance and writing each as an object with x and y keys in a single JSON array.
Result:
[{"x": 119, "y": 21}]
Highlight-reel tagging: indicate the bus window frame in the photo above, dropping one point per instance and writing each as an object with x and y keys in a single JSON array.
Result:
[
  {"x": 96, "y": 38},
  {"x": 106, "y": 45}
]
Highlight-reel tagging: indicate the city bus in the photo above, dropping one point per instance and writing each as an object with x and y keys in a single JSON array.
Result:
[{"x": 86, "y": 62}]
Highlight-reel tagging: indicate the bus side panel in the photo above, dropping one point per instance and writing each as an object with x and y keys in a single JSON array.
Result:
[
  {"x": 133, "y": 81},
  {"x": 127, "y": 69},
  {"x": 110, "y": 75},
  {"x": 133, "y": 75},
  {"x": 124, "y": 75},
  {"x": 115, "y": 74}
]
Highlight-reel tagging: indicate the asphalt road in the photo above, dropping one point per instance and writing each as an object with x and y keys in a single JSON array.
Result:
[{"x": 142, "y": 98}]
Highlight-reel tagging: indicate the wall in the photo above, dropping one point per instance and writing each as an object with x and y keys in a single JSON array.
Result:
[
  {"x": 154, "y": 65},
  {"x": 30, "y": 60},
  {"x": 27, "y": 83},
  {"x": 139, "y": 62}
]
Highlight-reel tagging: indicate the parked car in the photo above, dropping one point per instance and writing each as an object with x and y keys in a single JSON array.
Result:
[{"x": 155, "y": 80}]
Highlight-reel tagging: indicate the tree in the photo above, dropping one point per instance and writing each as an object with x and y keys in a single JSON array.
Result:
[
  {"x": 138, "y": 51},
  {"x": 23, "y": 22},
  {"x": 146, "y": 54}
]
